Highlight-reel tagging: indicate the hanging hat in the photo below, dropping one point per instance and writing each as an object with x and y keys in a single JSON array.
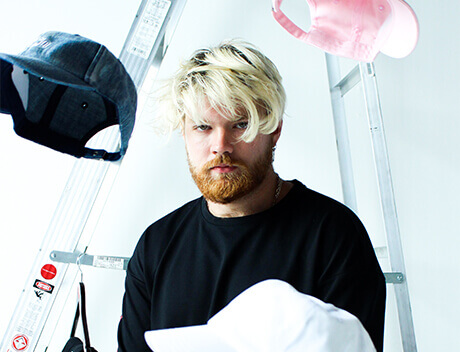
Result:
[
  {"x": 357, "y": 29},
  {"x": 270, "y": 316},
  {"x": 76, "y": 88}
]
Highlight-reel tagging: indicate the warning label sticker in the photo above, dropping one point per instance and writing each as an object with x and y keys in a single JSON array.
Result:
[
  {"x": 20, "y": 342},
  {"x": 48, "y": 271},
  {"x": 42, "y": 285},
  {"x": 108, "y": 262},
  {"x": 148, "y": 28}
]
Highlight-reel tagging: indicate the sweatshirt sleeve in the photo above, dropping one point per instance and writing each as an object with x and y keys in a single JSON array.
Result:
[
  {"x": 135, "y": 318},
  {"x": 352, "y": 278}
]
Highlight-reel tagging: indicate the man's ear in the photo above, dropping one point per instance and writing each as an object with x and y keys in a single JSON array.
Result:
[{"x": 277, "y": 133}]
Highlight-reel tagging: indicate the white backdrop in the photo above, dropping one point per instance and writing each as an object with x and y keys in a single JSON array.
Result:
[{"x": 418, "y": 95}]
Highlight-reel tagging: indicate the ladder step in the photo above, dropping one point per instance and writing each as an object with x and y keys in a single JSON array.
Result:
[
  {"x": 98, "y": 261},
  {"x": 349, "y": 81},
  {"x": 381, "y": 252},
  {"x": 121, "y": 263},
  {"x": 394, "y": 278}
]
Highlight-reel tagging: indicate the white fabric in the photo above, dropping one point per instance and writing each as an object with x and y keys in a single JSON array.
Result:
[{"x": 270, "y": 316}]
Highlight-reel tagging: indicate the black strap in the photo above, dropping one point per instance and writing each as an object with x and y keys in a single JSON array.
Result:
[
  {"x": 81, "y": 307},
  {"x": 75, "y": 321},
  {"x": 101, "y": 154},
  {"x": 52, "y": 105},
  {"x": 89, "y": 153},
  {"x": 83, "y": 315}
]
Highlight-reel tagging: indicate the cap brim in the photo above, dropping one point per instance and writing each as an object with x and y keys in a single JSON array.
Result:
[
  {"x": 43, "y": 69},
  {"x": 404, "y": 31},
  {"x": 200, "y": 338}
]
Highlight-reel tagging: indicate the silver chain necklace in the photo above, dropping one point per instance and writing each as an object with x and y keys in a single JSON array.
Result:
[{"x": 279, "y": 185}]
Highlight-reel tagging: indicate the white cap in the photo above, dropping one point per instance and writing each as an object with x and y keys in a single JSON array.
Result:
[{"x": 267, "y": 317}]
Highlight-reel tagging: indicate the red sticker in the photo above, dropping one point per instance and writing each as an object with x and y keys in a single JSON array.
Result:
[
  {"x": 41, "y": 285},
  {"x": 48, "y": 271},
  {"x": 20, "y": 342}
]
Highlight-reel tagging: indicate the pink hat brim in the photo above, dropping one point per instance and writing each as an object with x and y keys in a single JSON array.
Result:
[{"x": 404, "y": 31}]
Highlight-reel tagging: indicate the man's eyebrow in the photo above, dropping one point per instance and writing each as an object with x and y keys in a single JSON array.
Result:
[
  {"x": 241, "y": 119},
  {"x": 199, "y": 122}
]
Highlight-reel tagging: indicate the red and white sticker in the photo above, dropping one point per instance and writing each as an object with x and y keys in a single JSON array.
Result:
[
  {"x": 48, "y": 271},
  {"x": 20, "y": 342},
  {"x": 44, "y": 286}
]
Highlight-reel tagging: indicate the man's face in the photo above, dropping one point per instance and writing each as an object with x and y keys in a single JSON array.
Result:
[{"x": 224, "y": 167}]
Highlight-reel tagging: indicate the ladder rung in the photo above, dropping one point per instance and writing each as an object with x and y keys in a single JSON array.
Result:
[
  {"x": 394, "y": 278},
  {"x": 121, "y": 263},
  {"x": 349, "y": 81},
  {"x": 98, "y": 261},
  {"x": 381, "y": 252}
]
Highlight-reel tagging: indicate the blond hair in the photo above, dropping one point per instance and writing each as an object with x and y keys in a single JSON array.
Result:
[{"x": 236, "y": 79}]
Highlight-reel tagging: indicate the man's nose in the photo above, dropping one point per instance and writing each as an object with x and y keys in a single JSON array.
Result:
[{"x": 222, "y": 141}]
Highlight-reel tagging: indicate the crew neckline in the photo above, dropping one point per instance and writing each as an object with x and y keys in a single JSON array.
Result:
[{"x": 209, "y": 217}]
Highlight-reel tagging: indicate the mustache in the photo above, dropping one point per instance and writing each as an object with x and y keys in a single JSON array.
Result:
[{"x": 222, "y": 159}]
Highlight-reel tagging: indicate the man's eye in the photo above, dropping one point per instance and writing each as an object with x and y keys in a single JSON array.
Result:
[
  {"x": 242, "y": 125},
  {"x": 201, "y": 127}
]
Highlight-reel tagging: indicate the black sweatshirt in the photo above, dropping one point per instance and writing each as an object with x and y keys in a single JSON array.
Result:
[{"x": 189, "y": 265}]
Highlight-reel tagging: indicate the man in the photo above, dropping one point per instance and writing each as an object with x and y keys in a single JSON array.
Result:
[{"x": 250, "y": 225}]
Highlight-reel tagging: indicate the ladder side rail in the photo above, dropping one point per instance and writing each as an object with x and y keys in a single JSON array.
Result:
[
  {"x": 75, "y": 206},
  {"x": 339, "y": 86},
  {"x": 75, "y": 203},
  {"x": 143, "y": 69},
  {"x": 155, "y": 18},
  {"x": 145, "y": 47},
  {"x": 388, "y": 204},
  {"x": 341, "y": 133}
]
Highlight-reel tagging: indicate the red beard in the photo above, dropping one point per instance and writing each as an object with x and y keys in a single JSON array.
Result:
[{"x": 228, "y": 187}]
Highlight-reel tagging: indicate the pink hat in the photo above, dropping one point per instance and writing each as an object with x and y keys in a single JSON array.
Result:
[{"x": 357, "y": 29}]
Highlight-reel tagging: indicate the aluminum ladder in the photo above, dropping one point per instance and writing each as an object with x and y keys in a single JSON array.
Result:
[
  {"x": 90, "y": 181},
  {"x": 339, "y": 87},
  {"x": 85, "y": 193}
]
